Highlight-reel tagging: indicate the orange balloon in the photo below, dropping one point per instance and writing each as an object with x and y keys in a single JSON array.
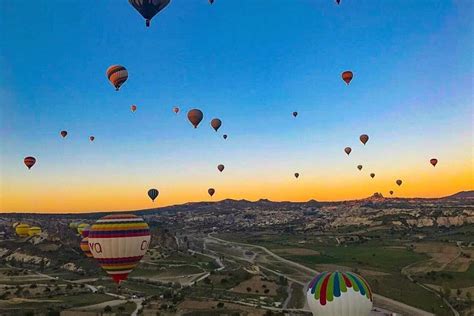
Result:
[
  {"x": 216, "y": 123},
  {"x": 195, "y": 117},
  {"x": 117, "y": 75},
  {"x": 347, "y": 76}
]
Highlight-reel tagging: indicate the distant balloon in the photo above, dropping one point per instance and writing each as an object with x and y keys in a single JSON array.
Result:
[
  {"x": 338, "y": 1},
  {"x": 347, "y": 76},
  {"x": 92, "y": 138},
  {"x": 359, "y": 167},
  {"x": 118, "y": 242},
  {"x": 399, "y": 182},
  {"x": 348, "y": 150},
  {"x": 176, "y": 110},
  {"x": 211, "y": 191},
  {"x": 63, "y": 134},
  {"x": 117, "y": 75},
  {"x": 29, "y": 161},
  {"x": 297, "y": 175},
  {"x": 434, "y": 161},
  {"x": 364, "y": 138},
  {"x": 339, "y": 294},
  {"x": 391, "y": 192},
  {"x": 224, "y": 136},
  {"x": 195, "y": 117},
  {"x": 211, "y": 1},
  {"x": 295, "y": 114},
  {"x": 85, "y": 247},
  {"x": 372, "y": 175},
  {"x": 34, "y": 231},
  {"x": 22, "y": 230},
  {"x": 153, "y": 194},
  {"x": 149, "y": 8},
  {"x": 220, "y": 168},
  {"x": 216, "y": 123},
  {"x": 133, "y": 108}
]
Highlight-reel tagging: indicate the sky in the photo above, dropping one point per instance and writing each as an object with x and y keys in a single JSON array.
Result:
[{"x": 250, "y": 63}]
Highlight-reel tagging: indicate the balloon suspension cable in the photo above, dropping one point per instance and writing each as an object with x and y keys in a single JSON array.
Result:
[{"x": 147, "y": 23}]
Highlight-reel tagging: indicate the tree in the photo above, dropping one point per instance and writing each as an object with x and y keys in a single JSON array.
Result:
[{"x": 107, "y": 309}]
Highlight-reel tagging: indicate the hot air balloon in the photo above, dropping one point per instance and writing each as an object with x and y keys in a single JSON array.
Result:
[
  {"x": 85, "y": 231},
  {"x": 372, "y": 175},
  {"x": 211, "y": 191},
  {"x": 81, "y": 227},
  {"x": 133, "y": 108},
  {"x": 176, "y": 110},
  {"x": 297, "y": 175},
  {"x": 338, "y": 1},
  {"x": 29, "y": 161},
  {"x": 347, "y": 76},
  {"x": 15, "y": 224},
  {"x": 34, "y": 231},
  {"x": 85, "y": 247},
  {"x": 211, "y": 1},
  {"x": 22, "y": 230},
  {"x": 216, "y": 123},
  {"x": 295, "y": 114},
  {"x": 117, "y": 75},
  {"x": 74, "y": 225},
  {"x": 399, "y": 182},
  {"x": 63, "y": 134},
  {"x": 433, "y": 161},
  {"x": 391, "y": 192},
  {"x": 153, "y": 194},
  {"x": 220, "y": 168},
  {"x": 224, "y": 136},
  {"x": 118, "y": 242},
  {"x": 348, "y": 150},
  {"x": 364, "y": 138},
  {"x": 149, "y": 8},
  {"x": 339, "y": 294},
  {"x": 359, "y": 167},
  {"x": 195, "y": 117},
  {"x": 92, "y": 138}
]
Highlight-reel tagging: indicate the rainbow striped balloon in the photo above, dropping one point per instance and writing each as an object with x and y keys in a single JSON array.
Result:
[
  {"x": 119, "y": 242},
  {"x": 339, "y": 293},
  {"x": 85, "y": 247}
]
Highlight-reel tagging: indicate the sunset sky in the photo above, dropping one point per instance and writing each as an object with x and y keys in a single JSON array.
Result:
[{"x": 250, "y": 63}]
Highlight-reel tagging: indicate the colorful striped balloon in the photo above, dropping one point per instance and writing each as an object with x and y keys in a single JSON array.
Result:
[
  {"x": 119, "y": 242},
  {"x": 85, "y": 247},
  {"x": 339, "y": 294},
  {"x": 117, "y": 75}
]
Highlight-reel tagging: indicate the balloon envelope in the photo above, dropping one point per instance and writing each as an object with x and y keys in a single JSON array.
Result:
[
  {"x": 85, "y": 247},
  {"x": 63, "y": 134},
  {"x": 434, "y": 161},
  {"x": 133, "y": 108},
  {"x": 399, "y": 182},
  {"x": 216, "y": 123},
  {"x": 372, "y": 175},
  {"x": 297, "y": 175},
  {"x": 339, "y": 294},
  {"x": 149, "y": 8},
  {"x": 34, "y": 231},
  {"x": 117, "y": 75},
  {"x": 81, "y": 227},
  {"x": 22, "y": 230},
  {"x": 224, "y": 136},
  {"x": 295, "y": 114},
  {"x": 364, "y": 138},
  {"x": 153, "y": 194},
  {"x": 195, "y": 117},
  {"x": 118, "y": 243},
  {"x": 29, "y": 161},
  {"x": 391, "y": 192},
  {"x": 92, "y": 138},
  {"x": 348, "y": 150},
  {"x": 359, "y": 167},
  {"x": 220, "y": 167},
  {"x": 347, "y": 76},
  {"x": 176, "y": 109},
  {"x": 211, "y": 191}
]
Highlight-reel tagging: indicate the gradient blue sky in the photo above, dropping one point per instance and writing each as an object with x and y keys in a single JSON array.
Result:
[{"x": 250, "y": 63}]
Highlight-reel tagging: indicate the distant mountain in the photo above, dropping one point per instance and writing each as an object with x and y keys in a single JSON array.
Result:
[{"x": 461, "y": 195}]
